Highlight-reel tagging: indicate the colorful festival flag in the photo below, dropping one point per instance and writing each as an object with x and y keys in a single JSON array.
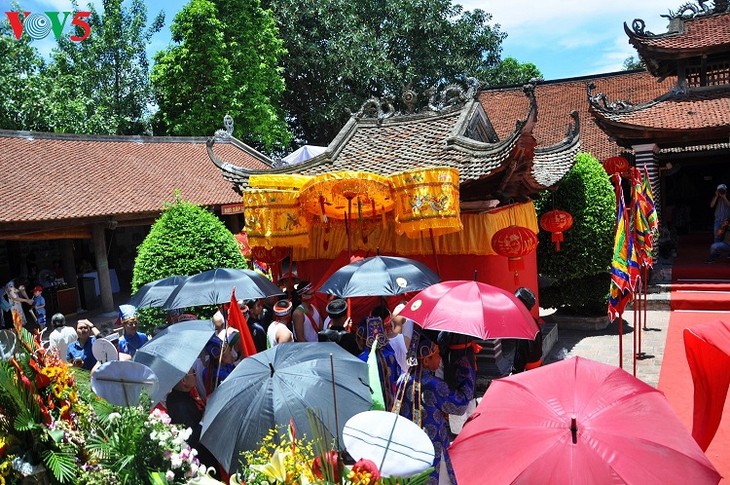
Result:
[{"x": 624, "y": 266}]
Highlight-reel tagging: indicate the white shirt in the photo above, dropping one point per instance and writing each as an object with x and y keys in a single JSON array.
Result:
[
  {"x": 60, "y": 339},
  {"x": 398, "y": 343},
  {"x": 271, "y": 332}
]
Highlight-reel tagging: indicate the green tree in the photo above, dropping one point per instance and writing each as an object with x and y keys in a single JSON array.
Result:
[
  {"x": 23, "y": 88},
  {"x": 341, "y": 53},
  {"x": 580, "y": 270},
  {"x": 186, "y": 239},
  {"x": 631, "y": 63},
  {"x": 101, "y": 85},
  {"x": 222, "y": 64},
  {"x": 511, "y": 71}
]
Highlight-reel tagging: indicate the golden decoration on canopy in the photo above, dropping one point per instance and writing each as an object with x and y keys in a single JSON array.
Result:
[
  {"x": 339, "y": 194},
  {"x": 427, "y": 201},
  {"x": 286, "y": 181},
  {"x": 274, "y": 218}
]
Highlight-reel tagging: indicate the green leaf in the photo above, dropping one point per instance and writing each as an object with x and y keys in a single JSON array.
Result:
[
  {"x": 25, "y": 421},
  {"x": 62, "y": 464}
]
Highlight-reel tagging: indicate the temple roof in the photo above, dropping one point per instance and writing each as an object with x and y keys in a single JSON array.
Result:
[
  {"x": 677, "y": 118},
  {"x": 693, "y": 32},
  {"x": 556, "y": 98},
  {"x": 456, "y": 134},
  {"x": 52, "y": 178}
]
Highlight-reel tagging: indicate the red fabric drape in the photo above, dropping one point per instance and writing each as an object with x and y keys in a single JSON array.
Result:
[
  {"x": 236, "y": 320},
  {"x": 707, "y": 346}
]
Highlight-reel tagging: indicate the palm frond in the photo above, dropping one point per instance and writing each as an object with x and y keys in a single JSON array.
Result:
[
  {"x": 62, "y": 464},
  {"x": 24, "y": 421}
]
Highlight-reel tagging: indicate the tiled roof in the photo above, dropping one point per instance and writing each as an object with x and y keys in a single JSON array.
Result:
[
  {"x": 696, "y": 110},
  {"x": 556, "y": 99},
  {"x": 696, "y": 34},
  {"x": 63, "y": 177},
  {"x": 430, "y": 139}
]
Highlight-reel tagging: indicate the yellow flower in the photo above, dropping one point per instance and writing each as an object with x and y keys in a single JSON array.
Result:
[
  {"x": 58, "y": 390},
  {"x": 275, "y": 468}
]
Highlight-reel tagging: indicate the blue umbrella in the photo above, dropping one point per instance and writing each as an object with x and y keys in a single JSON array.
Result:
[
  {"x": 379, "y": 276},
  {"x": 155, "y": 293},
  {"x": 215, "y": 286},
  {"x": 172, "y": 352},
  {"x": 270, "y": 388}
]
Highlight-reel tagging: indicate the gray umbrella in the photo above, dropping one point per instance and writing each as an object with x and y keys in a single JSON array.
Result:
[
  {"x": 155, "y": 293},
  {"x": 272, "y": 387},
  {"x": 216, "y": 285},
  {"x": 172, "y": 352},
  {"x": 379, "y": 276}
]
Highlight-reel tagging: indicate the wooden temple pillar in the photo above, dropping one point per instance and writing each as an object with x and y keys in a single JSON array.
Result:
[
  {"x": 102, "y": 267},
  {"x": 646, "y": 157}
]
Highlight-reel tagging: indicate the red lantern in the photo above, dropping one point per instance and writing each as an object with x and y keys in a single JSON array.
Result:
[
  {"x": 556, "y": 222},
  {"x": 615, "y": 165},
  {"x": 271, "y": 256},
  {"x": 514, "y": 242}
]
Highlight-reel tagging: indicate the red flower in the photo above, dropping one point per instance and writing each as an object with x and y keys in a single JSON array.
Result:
[
  {"x": 363, "y": 465},
  {"x": 331, "y": 466}
]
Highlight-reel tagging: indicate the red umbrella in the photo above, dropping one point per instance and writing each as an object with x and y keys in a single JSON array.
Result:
[
  {"x": 574, "y": 422},
  {"x": 471, "y": 308}
]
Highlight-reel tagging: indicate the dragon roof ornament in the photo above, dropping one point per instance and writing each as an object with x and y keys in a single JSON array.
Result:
[
  {"x": 450, "y": 95},
  {"x": 686, "y": 11}
]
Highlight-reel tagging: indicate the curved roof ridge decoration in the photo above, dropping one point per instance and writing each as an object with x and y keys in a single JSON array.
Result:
[
  {"x": 600, "y": 103},
  {"x": 693, "y": 30}
]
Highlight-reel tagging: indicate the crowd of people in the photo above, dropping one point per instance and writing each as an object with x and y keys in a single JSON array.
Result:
[{"x": 425, "y": 376}]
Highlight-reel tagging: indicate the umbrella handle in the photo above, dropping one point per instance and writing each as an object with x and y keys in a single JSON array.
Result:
[{"x": 334, "y": 398}]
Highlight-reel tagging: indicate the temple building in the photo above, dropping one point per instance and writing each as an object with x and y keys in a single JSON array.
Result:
[
  {"x": 450, "y": 133},
  {"x": 682, "y": 136}
]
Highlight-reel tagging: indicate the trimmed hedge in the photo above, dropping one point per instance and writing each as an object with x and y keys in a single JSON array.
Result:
[
  {"x": 579, "y": 272},
  {"x": 186, "y": 239}
]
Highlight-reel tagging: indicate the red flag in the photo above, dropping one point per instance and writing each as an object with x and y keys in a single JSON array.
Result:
[{"x": 236, "y": 320}]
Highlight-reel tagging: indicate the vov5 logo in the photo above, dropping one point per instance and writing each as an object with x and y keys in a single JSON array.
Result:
[{"x": 39, "y": 25}]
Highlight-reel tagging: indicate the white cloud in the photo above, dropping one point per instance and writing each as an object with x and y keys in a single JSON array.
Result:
[{"x": 566, "y": 38}]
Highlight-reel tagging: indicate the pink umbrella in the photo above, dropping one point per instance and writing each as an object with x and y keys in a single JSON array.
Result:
[
  {"x": 471, "y": 308},
  {"x": 575, "y": 422}
]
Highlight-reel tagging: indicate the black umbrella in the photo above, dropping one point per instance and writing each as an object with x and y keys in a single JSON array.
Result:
[
  {"x": 379, "y": 276},
  {"x": 279, "y": 384},
  {"x": 171, "y": 353},
  {"x": 155, "y": 293},
  {"x": 216, "y": 285}
]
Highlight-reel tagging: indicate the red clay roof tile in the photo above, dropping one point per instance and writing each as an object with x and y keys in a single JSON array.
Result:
[{"x": 57, "y": 177}]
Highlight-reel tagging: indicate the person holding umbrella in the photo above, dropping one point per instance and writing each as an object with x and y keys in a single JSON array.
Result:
[
  {"x": 427, "y": 400},
  {"x": 185, "y": 407}
]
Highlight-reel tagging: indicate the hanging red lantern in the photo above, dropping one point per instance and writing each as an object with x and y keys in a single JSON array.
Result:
[
  {"x": 615, "y": 165},
  {"x": 556, "y": 222},
  {"x": 514, "y": 242},
  {"x": 271, "y": 256}
]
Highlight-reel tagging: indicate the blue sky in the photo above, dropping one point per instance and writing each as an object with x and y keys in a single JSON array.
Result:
[{"x": 563, "y": 38}]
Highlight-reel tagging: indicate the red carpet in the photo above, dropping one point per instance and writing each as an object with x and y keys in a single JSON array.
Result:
[{"x": 702, "y": 293}]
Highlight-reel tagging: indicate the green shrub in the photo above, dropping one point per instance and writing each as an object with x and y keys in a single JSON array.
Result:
[
  {"x": 579, "y": 271},
  {"x": 185, "y": 240}
]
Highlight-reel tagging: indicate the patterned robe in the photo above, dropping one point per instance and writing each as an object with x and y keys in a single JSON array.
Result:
[{"x": 437, "y": 402}]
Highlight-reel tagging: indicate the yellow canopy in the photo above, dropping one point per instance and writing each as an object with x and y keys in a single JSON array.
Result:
[
  {"x": 274, "y": 218},
  {"x": 354, "y": 193},
  {"x": 427, "y": 201}
]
